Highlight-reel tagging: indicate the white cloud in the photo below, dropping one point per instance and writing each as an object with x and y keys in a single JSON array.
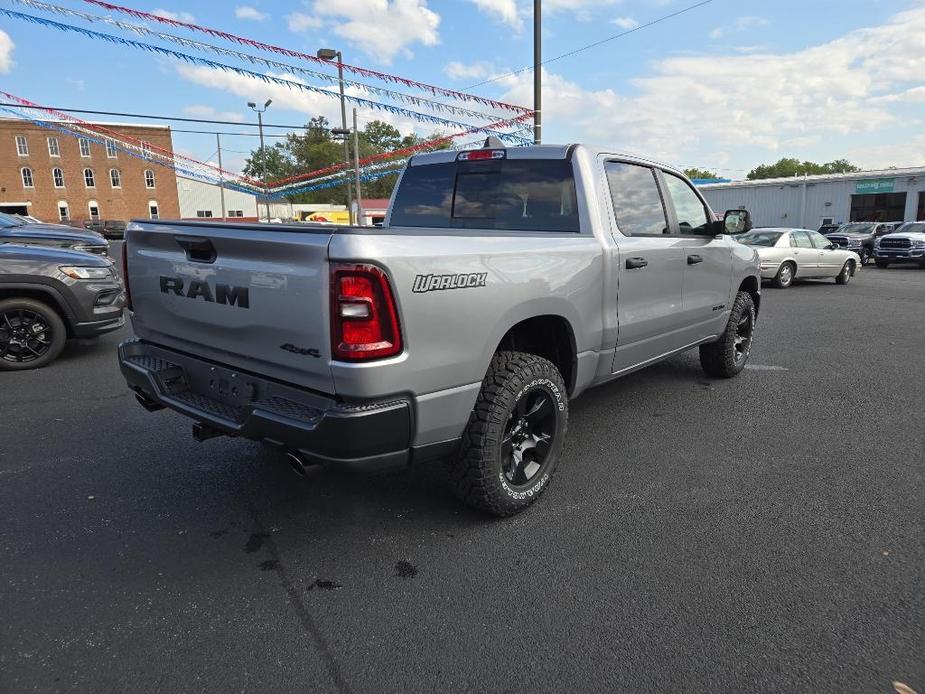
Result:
[
  {"x": 382, "y": 28},
  {"x": 576, "y": 5},
  {"x": 625, "y": 22},
  {"x": 299, "y": 22},
  {"x": 739, "y": 25},
  {"x": 209, "y": 112},
  {"x": 692, "y": 108},
  {"x": 6, "y": 52},
  {"x": 176, "y": 16},
  {"x": 308, "y": 103},
  {"x": 456, "y": 70},
  {"x": 505, "y": 10},
  {"x": 248, "y": 12}
]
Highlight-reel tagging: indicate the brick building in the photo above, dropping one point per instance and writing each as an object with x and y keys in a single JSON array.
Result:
[{"x": 57, "y": 177}]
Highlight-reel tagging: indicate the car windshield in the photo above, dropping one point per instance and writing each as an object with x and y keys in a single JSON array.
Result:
[
  {"x": 8, "y": 220},
  {"x": 855, "y": 228},
  {"x": 910, "y": 228},
  {"x": 759, "y": 237}
]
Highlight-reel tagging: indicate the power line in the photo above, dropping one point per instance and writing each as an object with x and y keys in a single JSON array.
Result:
[
  {"x": 595, "y": 44},
  {"x": 172, "y": 118}
]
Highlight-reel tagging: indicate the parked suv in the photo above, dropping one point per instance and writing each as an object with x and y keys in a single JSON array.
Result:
[
  {"x": 14, "y": 229},
  {"x": 503, "y": 283},
  {"x": 860, "y": 236},
  {"x": 905, "y": 245},
  {"x": 48, "y": 295}
]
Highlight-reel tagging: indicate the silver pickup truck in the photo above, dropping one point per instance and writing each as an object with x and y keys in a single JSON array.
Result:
[{"x": 503, "y": 283}]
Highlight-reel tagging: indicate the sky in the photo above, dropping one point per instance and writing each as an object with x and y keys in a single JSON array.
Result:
[{"x": 726, "y": 86}]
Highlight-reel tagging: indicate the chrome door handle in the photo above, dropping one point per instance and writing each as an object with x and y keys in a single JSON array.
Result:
[
  {"x": 694, "y": 259},
  {"x": 632, "y": 263}
]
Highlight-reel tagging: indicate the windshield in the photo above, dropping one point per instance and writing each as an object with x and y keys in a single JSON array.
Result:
[
  {"x": 759, "y": 237},
  {"x": 910, "y": 228},
  {"x": 8, "y": 220},
  {"x": 856, "y": 228}
]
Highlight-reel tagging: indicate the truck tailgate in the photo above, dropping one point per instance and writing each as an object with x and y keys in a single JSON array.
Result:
[{"x": 253, "y": 297}]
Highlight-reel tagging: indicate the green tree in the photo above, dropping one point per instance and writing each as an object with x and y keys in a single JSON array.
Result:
[
  {"x": 694, "y": 172},
  {"x": 273, "y": 160},
  {"x": 790, "y": 166}
]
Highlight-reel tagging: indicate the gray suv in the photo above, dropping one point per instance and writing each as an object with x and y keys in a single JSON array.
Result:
[{"x": 48, "y": 295}]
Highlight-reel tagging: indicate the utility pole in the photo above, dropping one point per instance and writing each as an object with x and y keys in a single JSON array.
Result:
[
  {"x": 537, "y": 71},
  {"x": 330, "y": 54},
  {"x": 263, "y": 152},
  {"x": 221, "y": 175},
  {"x": 356, "y": 169}
]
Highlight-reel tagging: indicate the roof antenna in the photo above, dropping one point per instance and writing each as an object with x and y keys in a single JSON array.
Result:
[{"x": 492, "y": 142}]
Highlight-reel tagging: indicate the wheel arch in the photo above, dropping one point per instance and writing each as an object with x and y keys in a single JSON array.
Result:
[
  {"x": 45, "y": 295},
  {"x": 752, "y": 285},
  {"x": 548, "y": 335}
]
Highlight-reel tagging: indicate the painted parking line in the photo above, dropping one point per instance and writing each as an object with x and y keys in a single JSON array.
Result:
[{"x": 765, "y": 367}]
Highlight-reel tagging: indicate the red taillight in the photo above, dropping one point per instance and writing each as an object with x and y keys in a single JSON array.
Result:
[
  {"x": 364, "y": 319},
  {"x": 128, "y": 293},
  {"x": 480, "y": 154}
]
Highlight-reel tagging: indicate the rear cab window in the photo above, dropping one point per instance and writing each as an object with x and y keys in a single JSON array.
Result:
[{"x": 500, "y": 194}]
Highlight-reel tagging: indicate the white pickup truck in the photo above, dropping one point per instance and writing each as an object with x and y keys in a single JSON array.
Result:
[{"x": 503, "y": 283}]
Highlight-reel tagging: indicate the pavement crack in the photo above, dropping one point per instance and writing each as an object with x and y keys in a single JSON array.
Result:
[{"x": 305, "y": 618}]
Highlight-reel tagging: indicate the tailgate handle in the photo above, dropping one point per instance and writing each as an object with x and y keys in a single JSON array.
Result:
[{"x": 198, "y": 249}]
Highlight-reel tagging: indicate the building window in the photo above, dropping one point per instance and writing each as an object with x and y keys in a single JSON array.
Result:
[
  {"x": 64, "y": 213},
  {"x": 152, "y": 209},
  {"x": 145, "y": 149},
  {"x": 89, "y": 180},
  {"x": 53, "y": 149},
  {"x": 149, "y": 178},
  {"x": 94, "y": 209},
  {"x": 115, "y": 177},
  {"x": 22, "y": 147},
  {"x": 204, "y": 214},
  {"x": 111, "y": 149},
  {"x": 57, "y": 176},
  {"x": 27, "y": 181},
  {"x": 235, "y": 213},
  {"x": 84, "y": 145}
]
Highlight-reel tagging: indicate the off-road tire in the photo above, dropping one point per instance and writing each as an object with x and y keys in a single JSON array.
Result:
[
  {"x": 881, "y": 264},
  {"x": 722, "y": 358},
  {"x": 58, "y": 332},
  {"x": 844, "y": 275},
  {"x": 782, "y": 280},
  {"x": 476, "y": 473}
]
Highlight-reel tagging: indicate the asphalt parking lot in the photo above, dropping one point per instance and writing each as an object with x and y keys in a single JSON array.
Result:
[{"x": 758, "y": 534}]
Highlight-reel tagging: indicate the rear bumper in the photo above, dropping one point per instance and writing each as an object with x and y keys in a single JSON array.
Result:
[{"x": 243, "y": 404}]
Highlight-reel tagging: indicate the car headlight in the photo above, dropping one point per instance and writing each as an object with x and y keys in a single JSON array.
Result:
[
  {"x": 86, "y": 273},
  {"x": 854, "y": 243},
  {"x": 876, "y": 243}
]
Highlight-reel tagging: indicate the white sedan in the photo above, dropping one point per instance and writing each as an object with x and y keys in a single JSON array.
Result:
[{"x": 787, "y": 254}]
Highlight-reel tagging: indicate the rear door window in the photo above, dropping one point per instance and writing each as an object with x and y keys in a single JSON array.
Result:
[
  {"x": 800, "y": 239},
  {"x": 637, "y": 203},
  {"x": 501, "y": 194}
]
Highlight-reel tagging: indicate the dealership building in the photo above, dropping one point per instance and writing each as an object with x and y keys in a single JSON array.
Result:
[
  {"x": 56, "y": 177},
  {"x": 889, "y": 195}
]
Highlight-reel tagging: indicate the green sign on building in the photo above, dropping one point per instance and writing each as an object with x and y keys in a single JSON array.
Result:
[{"x": 871, "y": 186}]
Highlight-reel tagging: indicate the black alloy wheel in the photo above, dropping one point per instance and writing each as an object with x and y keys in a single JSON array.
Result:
[
  {"x": 865, "y": 256},
  {"x": 745, "y": 329},
  {"x": 24, "y": 336},
  {"x": 528, "y": 437}
]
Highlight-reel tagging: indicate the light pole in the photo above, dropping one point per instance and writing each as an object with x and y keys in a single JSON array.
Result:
[
  {"x": 331, "y": 54},
  {"x": 537, "y": 71},
  {"x": 263, "y": 154},
  {"x": 346, "y": 133}
]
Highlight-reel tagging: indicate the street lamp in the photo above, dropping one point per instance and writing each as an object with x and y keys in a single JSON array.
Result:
[
  {"x": 331, "y": 54},
  {"x": 345, "y": 133},
  {"x": 263, "y": 154}
]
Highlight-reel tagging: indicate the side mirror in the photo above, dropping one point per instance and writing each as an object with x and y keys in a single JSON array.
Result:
[
  {"x": 831, "y": 247},
  {"x": 737, "y": 221}
]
